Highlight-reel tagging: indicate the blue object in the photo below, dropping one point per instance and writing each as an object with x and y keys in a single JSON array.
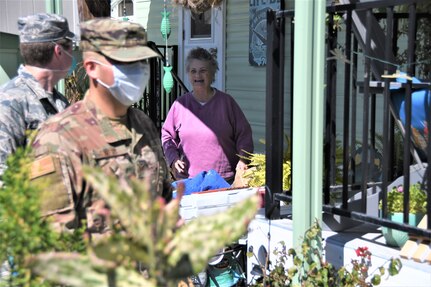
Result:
[
  {"x": 421, "y": 100},
  {"x": 205, "y": 180}
]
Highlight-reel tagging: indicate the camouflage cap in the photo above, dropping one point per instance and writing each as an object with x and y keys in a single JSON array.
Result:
[
  {"x": 119, "y": 40},
  {"x": 43, "y": 27}
]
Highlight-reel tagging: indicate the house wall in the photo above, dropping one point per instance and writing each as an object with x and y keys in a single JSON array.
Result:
[
  {"x": 141, "y": 9},
  {"x": 141, "y": 12},
  {"x": 9, "y": 56},
  {"x": 10, "y": 10},
  {"x": 246, "y": 83}
]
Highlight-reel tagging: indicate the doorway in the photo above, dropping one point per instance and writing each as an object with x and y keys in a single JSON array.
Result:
[{"x": 206, "y": 30}]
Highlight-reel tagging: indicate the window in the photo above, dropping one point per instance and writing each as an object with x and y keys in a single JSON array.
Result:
[
  {"x": 200, "y": 25},
  {"x": 125, "y": 8}
]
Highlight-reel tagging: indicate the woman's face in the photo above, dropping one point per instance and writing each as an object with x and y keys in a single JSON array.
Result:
[{"x": 200, "y": 75}]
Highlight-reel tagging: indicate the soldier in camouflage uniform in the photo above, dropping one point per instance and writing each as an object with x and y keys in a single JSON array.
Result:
[
  {"x": 102, "y": 130},
  {"x": 30, "y": 98}
]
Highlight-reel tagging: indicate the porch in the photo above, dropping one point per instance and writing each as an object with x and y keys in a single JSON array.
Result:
[
  {"x": 363, "y": 57},
  {"x": 379, "y": 147}
]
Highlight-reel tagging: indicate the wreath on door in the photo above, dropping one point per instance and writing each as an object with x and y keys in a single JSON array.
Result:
[{"x": 198, "y": 6}]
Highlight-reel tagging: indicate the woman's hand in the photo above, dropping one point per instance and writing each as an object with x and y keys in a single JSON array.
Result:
[
  {"x": 241, "y": 166},
  {"x": 179, "y": 166},
  {"x": 179, "y": 169}
]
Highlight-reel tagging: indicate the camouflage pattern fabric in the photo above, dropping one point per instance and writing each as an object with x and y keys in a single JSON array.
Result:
[
  {"x": 43, "y": 27},
  {"x": 24, "y": 105},
  {"x": 119, "y": 40},
  {"x": 126, "y": 147}
]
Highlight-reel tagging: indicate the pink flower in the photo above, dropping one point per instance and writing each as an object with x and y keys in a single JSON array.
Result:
[
  {"x": 362, "y": 251},
  {"x": 400, "y": 188}
]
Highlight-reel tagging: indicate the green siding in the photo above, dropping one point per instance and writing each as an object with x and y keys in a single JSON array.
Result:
[{"x": 246, "y": 83}]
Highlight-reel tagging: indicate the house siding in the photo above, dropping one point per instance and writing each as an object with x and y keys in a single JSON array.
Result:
[
  {"x": 246, "y": 83},
  {"x": 11, "y": 10}
]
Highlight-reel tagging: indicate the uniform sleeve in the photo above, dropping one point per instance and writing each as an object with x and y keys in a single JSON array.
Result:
[
  {"x": 12, "y": 131},
  {"x": 149, "y": 148},
  {"x": 170, "y": 136},
  {"x": 164, "y": 175},
  {"x": 55, "y": 170}
]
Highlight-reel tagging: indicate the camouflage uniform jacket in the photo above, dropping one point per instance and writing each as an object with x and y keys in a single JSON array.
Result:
[
  {"x": 24, "y": 105},
  {"x": 126, "y": 147}
]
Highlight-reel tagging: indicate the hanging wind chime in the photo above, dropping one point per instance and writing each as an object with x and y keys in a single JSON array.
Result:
[{"x": 165, "y": 29}]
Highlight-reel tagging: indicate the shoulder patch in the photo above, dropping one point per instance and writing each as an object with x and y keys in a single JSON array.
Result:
[{"x": 42, "y": 166}]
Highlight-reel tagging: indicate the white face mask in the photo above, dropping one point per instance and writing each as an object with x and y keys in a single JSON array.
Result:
[{"x": 130, "y": 81}]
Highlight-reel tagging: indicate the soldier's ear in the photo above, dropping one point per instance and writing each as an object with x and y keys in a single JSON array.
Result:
[
  {"x": 57, "y": 50},
  {"x": 91, "y": 68}
]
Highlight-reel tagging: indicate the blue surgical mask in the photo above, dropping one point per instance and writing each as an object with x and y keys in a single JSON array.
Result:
[{"x": 130, "y": 81}]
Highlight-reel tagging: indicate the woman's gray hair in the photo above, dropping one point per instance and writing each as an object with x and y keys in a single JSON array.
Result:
[{"x": 202, "y": 54}]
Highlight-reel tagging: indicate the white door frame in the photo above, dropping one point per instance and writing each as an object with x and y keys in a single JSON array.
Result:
[{"x": 217, "y": 40}]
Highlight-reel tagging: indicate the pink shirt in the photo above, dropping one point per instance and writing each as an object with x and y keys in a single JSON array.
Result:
[{"x": 208, "y": 136}]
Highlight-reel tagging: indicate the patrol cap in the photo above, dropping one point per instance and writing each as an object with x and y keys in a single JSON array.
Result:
[
  {"x": 43, "y": 27},
  {"x": 119, "y": 40}
]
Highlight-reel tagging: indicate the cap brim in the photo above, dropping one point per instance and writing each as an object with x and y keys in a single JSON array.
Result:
[
  {"x": 130, "y": 54},
  {"x": 70, "y": 35}
]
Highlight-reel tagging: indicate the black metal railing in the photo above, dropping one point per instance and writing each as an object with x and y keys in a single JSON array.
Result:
[
  {"x": 156, "y": 101},
  {"x": 361, "y": 57}
]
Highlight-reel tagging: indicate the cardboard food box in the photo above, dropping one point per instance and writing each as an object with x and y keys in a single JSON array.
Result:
[{"x": 212, "y": 201}]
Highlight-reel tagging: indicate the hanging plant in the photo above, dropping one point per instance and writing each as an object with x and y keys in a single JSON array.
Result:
[{"x": 198, "y": 6}]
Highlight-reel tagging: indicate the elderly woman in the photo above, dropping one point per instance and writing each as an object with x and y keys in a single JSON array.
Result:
[{"x": 205, "y": 128}]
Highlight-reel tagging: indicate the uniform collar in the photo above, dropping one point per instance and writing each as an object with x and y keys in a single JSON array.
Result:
[
  {"x": 113, "y": 130},
  {"x": 34, "y": 85}
]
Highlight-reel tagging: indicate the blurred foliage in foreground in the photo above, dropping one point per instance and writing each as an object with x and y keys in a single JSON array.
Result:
[
  {"x": 150, "y": 247},
  {"x": 22, "y": 230}
]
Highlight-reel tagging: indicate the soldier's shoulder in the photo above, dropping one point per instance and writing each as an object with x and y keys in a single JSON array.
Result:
[
  {"x": 71, "y": 117},
  {"x": 64, "y": 126},
  {"x": 12, "y": 93}
]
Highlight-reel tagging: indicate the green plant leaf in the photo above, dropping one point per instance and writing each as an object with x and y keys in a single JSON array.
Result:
[
  {"x": 63, "y": 268},
  {"x": 199, "y": 234}
]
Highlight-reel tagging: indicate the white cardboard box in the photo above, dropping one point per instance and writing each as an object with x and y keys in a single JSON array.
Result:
[{"x": 207, "y": 203}]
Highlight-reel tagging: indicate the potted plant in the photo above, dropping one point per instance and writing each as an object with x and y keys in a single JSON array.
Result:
[{"x": 395, "y": 203}]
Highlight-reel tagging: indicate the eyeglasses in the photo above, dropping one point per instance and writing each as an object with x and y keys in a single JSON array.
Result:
[
  {"x": 66, "y": 43},
  {"x": 74, "y": 45}
]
